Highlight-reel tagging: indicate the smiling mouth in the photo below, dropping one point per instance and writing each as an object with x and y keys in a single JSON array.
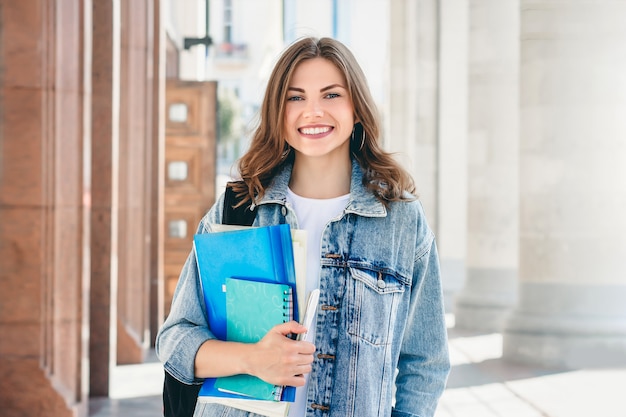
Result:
[{"x": 315, "y": 130}]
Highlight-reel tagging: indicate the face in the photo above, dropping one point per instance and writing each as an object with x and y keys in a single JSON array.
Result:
[{"x": 319, "y": 115}]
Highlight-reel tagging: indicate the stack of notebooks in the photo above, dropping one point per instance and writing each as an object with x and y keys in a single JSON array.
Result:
[{"x": 252, "y": 279}]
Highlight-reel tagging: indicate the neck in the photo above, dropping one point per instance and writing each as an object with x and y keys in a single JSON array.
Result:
[{"x": 321, "y": 179}]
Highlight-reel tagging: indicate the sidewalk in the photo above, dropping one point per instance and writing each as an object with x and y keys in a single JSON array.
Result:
[
  {"x": 480, "y": 385},
  {"x": 135, "y": 392}
]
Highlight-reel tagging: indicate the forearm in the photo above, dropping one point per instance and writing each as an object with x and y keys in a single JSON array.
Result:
[
  {"x": 217, "y": 358},
  {"x": 276, "y": 358}
]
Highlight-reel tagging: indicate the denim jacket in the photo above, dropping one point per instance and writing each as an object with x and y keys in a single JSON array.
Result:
[{"x": 380, "y": 318}]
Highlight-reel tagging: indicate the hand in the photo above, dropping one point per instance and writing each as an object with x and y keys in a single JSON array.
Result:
[{"x": 280, "y": 360}]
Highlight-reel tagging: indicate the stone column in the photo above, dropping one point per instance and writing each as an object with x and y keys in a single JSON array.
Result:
[
  {"x": 492, "y": 241},
  {"x": 572, "y": 309},
  {"x": 402, "y": 113},
  {"x": 156, "y": 95},
  {"x": 43, "y": 207},
  {"x": 452, "y": 145},
  {"x": 135, "y": 147},
  {"x": 105, "y": 108},
  {"x": 411, "y": 114},
  {"x": 427, "y": 119}
]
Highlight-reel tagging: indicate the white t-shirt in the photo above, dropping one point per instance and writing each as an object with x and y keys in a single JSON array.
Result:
[{"x": 313, "y": 215}]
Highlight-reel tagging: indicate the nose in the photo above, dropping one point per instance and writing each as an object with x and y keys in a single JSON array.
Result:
[{"x": 313, "y": 109}]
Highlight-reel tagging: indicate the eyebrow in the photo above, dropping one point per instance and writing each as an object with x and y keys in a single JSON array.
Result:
[{"x": 330, "y": 87}]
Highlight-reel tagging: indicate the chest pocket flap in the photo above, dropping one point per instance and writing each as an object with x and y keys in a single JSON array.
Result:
[{"x": 378, "y": 281}]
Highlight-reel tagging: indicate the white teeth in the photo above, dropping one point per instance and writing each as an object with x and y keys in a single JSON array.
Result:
[{"x": 315, "y": 130}]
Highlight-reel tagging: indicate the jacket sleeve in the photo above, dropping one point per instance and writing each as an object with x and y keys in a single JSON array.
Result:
[
  {"x": 424, "y": 362},
  {"x": 186, "y": 327}
]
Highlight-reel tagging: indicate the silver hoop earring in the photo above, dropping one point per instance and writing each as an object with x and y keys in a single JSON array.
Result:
[
  {"x": 285, "y": 152},
  {"x": 353, "y": 139}
]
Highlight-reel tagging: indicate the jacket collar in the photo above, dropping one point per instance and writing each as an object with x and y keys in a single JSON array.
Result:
[{"x": 362, "y": 201}]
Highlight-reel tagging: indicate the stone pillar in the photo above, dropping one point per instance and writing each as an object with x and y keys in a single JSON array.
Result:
[
  {"x": 43, "y": 205},
  {"x": 572, "y": 310},
  {"x": 411, "y": 129},
  {"x": 492, "y": 237},
  {"x": 156, "y": 95},
  {"x": 452, "y": 145},
  {"x": 135, "y": 147},
  {"x": 104, "y": 194},
  {"x": 402, "y": 115},
  {"x": 427, "y": 119}
]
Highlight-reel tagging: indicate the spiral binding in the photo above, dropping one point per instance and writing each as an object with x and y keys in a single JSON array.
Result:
[{"x": 288, "y": 307}]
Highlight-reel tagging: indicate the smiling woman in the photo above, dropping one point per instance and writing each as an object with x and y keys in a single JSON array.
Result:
[{"x": 315, "y": 163}]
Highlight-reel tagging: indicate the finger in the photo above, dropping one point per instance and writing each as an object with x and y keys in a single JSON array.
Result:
[
  {"x": 295, "y": 381},
  {"x": 306, "y": 359},
  {"x": 291, "y": 327},
  {"x": 306, "y": 348},
  {"x": 304, "y": 369}
]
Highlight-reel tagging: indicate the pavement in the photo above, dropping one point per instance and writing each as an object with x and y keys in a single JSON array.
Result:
[{"x": 481, "y": 384}]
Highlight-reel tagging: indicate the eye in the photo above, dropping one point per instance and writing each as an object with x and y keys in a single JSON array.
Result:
[
  {"x": 295, "y": 98},
  {"x": 332, "y": 95}
]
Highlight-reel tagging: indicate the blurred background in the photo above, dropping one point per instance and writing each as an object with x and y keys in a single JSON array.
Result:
[{"x": 121, "y": 121}]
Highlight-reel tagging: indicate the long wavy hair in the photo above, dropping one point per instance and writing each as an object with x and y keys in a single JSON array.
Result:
[{"x": 269, "y": 151}]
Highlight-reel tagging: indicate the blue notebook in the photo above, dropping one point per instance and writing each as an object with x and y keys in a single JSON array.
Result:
[
  {"x": 252, "y": 309},
  {"x": 264, "y": 254}
]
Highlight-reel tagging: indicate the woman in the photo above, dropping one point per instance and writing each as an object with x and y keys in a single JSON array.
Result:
[{"x": 380, "y": 345}]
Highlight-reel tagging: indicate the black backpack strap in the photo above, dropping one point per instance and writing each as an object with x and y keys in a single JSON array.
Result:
[
  {"x": 241, "y": 215},
  {"x": 179, "y": 400}
]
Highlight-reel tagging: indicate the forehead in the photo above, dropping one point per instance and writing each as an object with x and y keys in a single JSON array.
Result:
[{"x": 317, "y": 71}]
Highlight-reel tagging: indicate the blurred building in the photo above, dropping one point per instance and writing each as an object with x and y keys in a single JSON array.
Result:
[{"x": 118, "y": 117}]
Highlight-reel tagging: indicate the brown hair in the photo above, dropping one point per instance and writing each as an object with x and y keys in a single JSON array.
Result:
[{"x": 269, "y": 151}]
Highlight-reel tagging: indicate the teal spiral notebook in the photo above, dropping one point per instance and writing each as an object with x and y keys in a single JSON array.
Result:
[{"x": 252, "y": 309}]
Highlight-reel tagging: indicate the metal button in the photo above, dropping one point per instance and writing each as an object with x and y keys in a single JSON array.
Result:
[{"x": 381, "y": 283}]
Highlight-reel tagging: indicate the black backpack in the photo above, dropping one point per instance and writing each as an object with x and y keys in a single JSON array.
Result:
[{"x": 179, "y": 400}]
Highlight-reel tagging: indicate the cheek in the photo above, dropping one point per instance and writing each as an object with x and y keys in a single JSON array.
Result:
[
  {"x": 346, "y": 112},
  {"x": 289, "y": 119}
]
